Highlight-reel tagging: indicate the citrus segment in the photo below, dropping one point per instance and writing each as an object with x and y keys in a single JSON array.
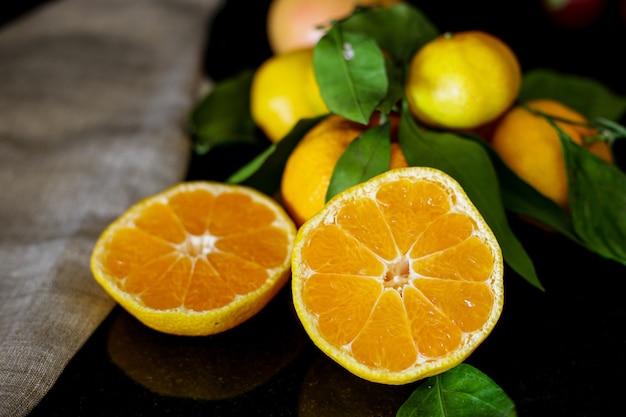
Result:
[
  {"x": 437, "y": 333},
  {"x": 446, "y": 231},
  {"x": 194, "y": 209},
  {"x": 409, "y": 207},
  {"x": 196, "y": 259},
  {"x": 385, "y": 340},
  {"x": 375, "y": 234},
  {"x": 342, "y": 302},
  {"x": 411, "y": 298},
  {"x": 470, "y": 260},
  {"x": 158, "y": 220},
  {"x": 322, "y": 254},
  {"x": 466, "y": 304}
]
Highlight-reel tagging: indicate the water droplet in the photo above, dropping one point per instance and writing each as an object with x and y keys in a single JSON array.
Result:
[{"x": 348, "y": 51}]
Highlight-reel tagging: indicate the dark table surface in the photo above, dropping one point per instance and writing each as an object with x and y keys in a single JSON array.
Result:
[{"x": 561, "y": 352}]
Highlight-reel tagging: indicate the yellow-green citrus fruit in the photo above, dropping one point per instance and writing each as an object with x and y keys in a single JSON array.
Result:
[{"x": 462, "y": 80}]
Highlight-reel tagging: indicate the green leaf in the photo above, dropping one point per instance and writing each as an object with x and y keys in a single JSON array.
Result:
[
  {"x": 597, "y": 196},
  {"x": 366, "y": 156},
  {"x": 223, "y": 115},
  {"x": 583, "y": 94},
  {"x": 350, "y": 70},
  {"x": 399, "y": 30},
  {"x": 463, "y": 391},
  {"x": 610, "y": 131},
  {"x": 395, "y": 91},
  {"x": 265, "y": 171},
  {"x": 468, "y": 163},
  {"x": 521, "y": 198}
]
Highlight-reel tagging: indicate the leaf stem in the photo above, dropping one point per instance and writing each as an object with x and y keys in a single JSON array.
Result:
[{"x": 608, "y": 131}]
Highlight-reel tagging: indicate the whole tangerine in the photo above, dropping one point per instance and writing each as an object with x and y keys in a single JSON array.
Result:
[
  {"x": 531, "y": 147},
  {"x": 284, "y": 90},
  {"x": 310, "y": 166},
  {"x": 462, "y": 80}
]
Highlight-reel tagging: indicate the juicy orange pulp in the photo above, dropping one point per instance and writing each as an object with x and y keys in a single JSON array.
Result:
[
  {"x": 400, "y": 280},
  {"x": 196, "y": 259}
]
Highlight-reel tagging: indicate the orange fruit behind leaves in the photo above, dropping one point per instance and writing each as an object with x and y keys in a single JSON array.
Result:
[
  {"x": 295, "y": 24},
  {"x": 530, "y": 146},
  {"x": 398, "y": 278},
  {"x": 196, "y": 259},
  {"x": 310, "y": 166}
]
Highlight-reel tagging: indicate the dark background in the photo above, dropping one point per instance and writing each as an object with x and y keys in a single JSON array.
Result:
[
  {"x": 238, "y": 41},
  {"x": 561, "y": 352}
]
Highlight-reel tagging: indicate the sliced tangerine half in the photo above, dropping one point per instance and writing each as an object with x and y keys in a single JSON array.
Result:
[
  {"x": 196, "y": 259},
  {"x": 398, "y": 278}
]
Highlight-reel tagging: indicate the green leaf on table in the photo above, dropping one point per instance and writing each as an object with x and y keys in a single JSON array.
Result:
[
  {"x": 265, "y": 171},
  {"x": 351, "y": 72},
  {"x": 597, "y": 197},
  {"x": 463, "y": 391},
  {"x": 223, "y": 115},
  {"x": 366, "y": 156},
  {"x": 468, "y": 163},
  {"x": 399, "y": 30},
  {"x": 520, "y": 197},
  {"x": 586, "y": 95}
]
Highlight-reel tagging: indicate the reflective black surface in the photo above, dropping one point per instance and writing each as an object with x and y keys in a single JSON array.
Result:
[
  {"x": 555, "y": 353},
  {"x": 561, "y": 352}
]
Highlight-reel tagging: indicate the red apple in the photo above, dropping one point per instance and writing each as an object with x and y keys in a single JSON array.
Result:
[{"x": 574, "y": 13}]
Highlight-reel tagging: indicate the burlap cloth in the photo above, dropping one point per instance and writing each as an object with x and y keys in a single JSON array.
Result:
[{"x": 93, "y": 99}]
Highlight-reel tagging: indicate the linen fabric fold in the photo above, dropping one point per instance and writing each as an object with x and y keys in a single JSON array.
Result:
[{"x": 93, "y": 99}]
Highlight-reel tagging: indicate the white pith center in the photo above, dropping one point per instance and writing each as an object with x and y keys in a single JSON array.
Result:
[
  {"x": 397, "y": 274},
  {"x": 198, "y": 245}
]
